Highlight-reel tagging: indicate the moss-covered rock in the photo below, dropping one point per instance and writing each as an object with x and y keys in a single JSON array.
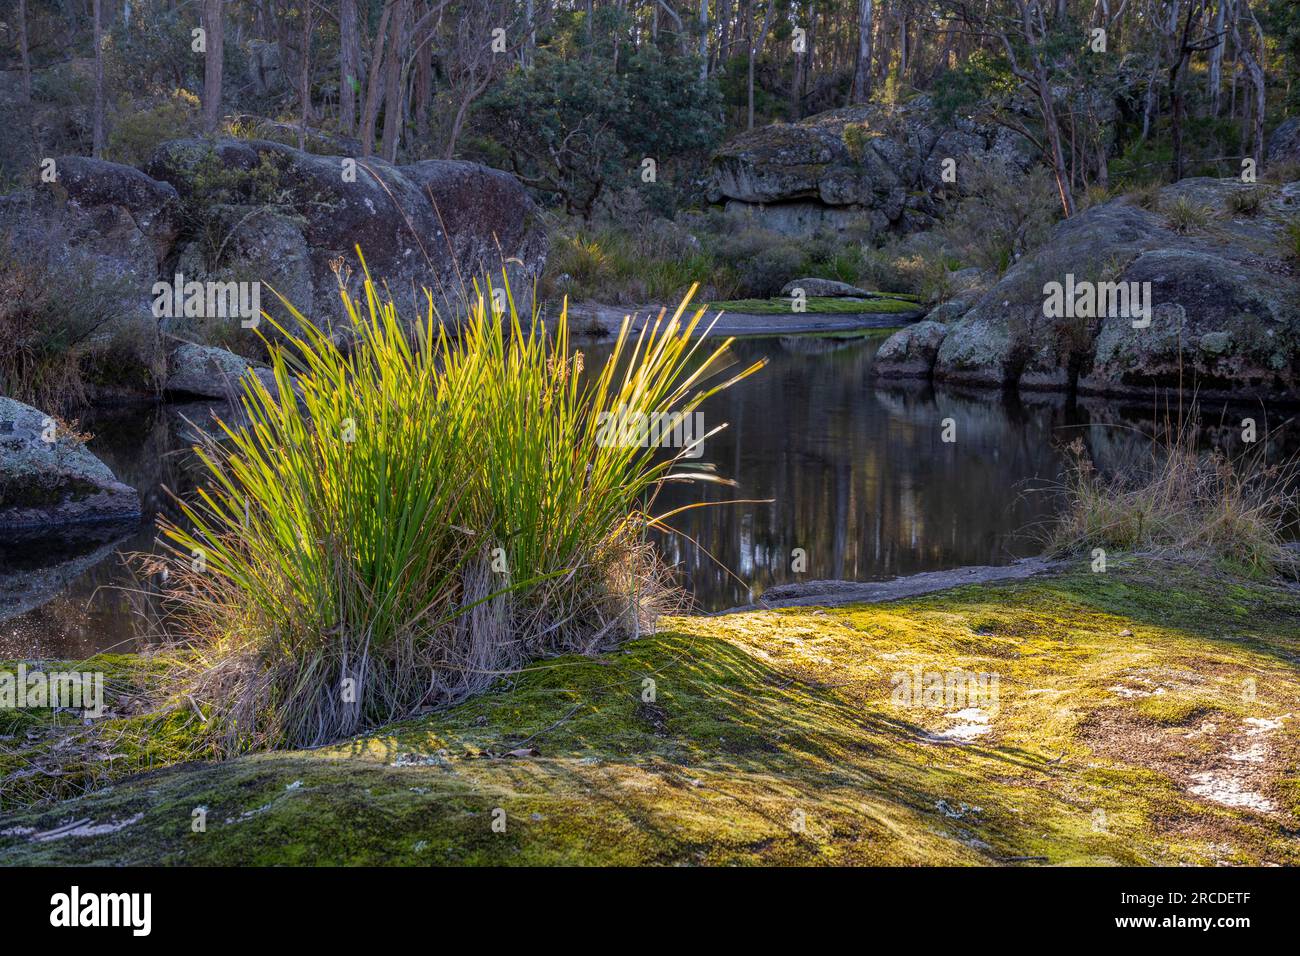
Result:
[
  {"x": 1224, "y": 304},
  {"x": 1144, "y": 716}
]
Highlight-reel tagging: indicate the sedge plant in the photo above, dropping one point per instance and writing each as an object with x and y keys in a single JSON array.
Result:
[{"x": 398, "y": 521}]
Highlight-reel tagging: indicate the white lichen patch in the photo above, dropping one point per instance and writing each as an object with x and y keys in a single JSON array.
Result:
[
  {"x": 86, "y": 828},
  {"x": 1255, "y": 753},
  {"x": 1264, "y": 725},
  {"x": 974, "y": 722},
  {"x": 1229, "y": 791}
]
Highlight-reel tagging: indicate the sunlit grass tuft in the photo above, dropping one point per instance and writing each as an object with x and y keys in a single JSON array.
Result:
[{"x": 401, "y": 521}]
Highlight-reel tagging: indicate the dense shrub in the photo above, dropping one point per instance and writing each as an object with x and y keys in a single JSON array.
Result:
[
  {"x": 1002, "y": 216},
  {"x": 62, "y": 329},
  {"x": 138, "y": 131}
]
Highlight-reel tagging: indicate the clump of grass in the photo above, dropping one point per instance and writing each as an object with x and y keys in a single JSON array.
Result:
[
  {"x": 402, "y": 522},
  {"x": 1147, "y": 196},
  {"x": 607, "y": 263},
  {"x": 1291, "y": 238},
  {"x": 1184, "y": 215},
  {"x": 1280, "y": 173},
  {"x": 1247, "y": 202},
  {"x": 1184, "y": 503}
]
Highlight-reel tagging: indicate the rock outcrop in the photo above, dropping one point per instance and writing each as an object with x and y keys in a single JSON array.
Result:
[
  {"x": 204, "y": 371},
  {"x": 296, "y": 216},
  {"x": 910, "y": 352},
  {"x": 874, "y": 166},
  {"x": 47, "y": 477},
  {"x": 1284, "y": 144},
  {"x": 256, "y": 211},
  {"x": 1224, "y": 303}
]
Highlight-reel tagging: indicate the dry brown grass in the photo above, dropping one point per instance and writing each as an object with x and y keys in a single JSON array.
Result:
[{"x": 1238, "y": 511}]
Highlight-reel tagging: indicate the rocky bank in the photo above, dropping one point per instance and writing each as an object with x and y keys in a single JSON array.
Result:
[{"x": 1224, "y": 298}]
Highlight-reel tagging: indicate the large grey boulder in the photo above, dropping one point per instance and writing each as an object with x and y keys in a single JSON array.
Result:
[
  {"x": 1225, "y": 317},
  {"x": 436, "y": 224},
  {"x": 910, "y": 352},
  {"x": 826, "y": 288},
  {"x": 103, "y": 227},
  {"x": 52, "y": 482},
  {"x": 874, "y": 164},
  {"x": 204, "y": 371},
  {"x": 252, "y": 211},
  {"x": 109, "y": 194}
]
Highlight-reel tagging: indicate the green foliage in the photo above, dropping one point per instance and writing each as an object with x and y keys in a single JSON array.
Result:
[
  {"x": 981, "y": 76},
  {"x": 1292, "y": 239},
  {"x": 151, "y": 52},
  {"x": 1002, "y": 216},
  {"x": 1249, "y": 201},
  {"x": 1281, "y": 20},
  {"x": 422, "y": 512},
  {"x": 213, "y": 185},
  {"x": 1148, "y": 196},
  {"x": 856, "y": 136},
  {"x": 656, "y": 262},
  {"x": 730, "y": 256},
  {"x": 573, "y": 129},
  {"x": 137, "y": 132}
]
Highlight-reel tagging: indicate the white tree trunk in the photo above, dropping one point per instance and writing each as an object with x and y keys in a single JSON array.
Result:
[
  {"x": 862, "y": 75},
  {"x": 704, "y": 40}
]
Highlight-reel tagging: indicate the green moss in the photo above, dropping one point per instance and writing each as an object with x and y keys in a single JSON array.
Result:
[
  {"x": 1173, "y": 711},
  {"x": 824, "y": 305},
  {"x": 773, "y": 737}
]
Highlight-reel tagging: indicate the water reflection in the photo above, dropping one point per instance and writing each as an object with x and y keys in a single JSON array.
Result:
[{"x": 862, "y": 484}]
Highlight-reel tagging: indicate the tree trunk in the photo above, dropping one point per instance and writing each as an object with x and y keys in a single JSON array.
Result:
[
  {"x": 862, "y": 74},
  {"x": 423, "y": 104},
  {"x": 214, "y": 40},
  {"x": 349, "y": 64},
  {"x": 530, "y": 36},
  {"x": 97, "y": 133},
  {"x": 1257, "y": 79},
  {"x": 374, "y": 92},
  {"x": 1181, "y": 54},
  {"x": 23, "y": 51},
  {"x": 704, "y": 40},
  {"x": 304, "y": 75},
  {"x": 724, "y": 35},
  {"x": 393, "y": 84},
  {"x": 754, "y": 50},
  {"x": 1215, "y": 77}
]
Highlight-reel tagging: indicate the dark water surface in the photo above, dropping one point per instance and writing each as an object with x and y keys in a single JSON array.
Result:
[{"x": 857, "y": 472}]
